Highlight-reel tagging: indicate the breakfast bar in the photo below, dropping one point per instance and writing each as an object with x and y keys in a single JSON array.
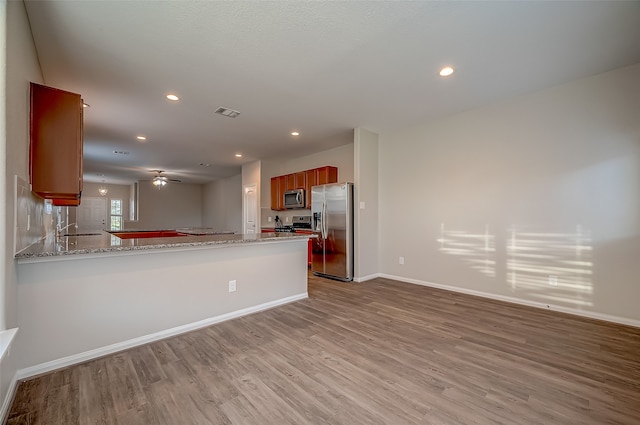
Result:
[{"x": 84, "y": 296}]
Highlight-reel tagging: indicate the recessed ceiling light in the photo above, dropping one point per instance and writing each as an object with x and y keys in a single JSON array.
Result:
[
  {"x": 141, "y": 137},
  {"x": 295, "y": 133},
  {"x": 238, "y": 155},
  {"x": 446, "y": 71},
  {"x": 172, "y": 97}
]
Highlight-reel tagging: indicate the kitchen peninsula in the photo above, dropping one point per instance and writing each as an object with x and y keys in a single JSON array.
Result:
[{"x": 84, "y": 296}]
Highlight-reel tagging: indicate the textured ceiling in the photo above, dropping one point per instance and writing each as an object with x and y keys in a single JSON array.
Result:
[{"x": 321, "y": 68}]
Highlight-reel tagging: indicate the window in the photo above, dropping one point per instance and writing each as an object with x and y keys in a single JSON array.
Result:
[{"x": 115, "y": 214}]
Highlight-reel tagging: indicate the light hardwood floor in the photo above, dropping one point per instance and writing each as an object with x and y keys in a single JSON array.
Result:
[{"x": 380, "y": 352}]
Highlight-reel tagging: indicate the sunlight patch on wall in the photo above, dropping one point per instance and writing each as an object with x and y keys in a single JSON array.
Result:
[
  {"x": 551, "y": 267},
  {"x": 548, "y": 267},
  {"x": 476, "y": 249}
]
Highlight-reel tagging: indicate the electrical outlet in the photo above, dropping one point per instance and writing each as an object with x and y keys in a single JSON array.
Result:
[
  {"x": 269, "y": 219},
  {"x": 232, "y": 286},
  {"x": 401, "y": 260},
  {"x": 287, "y": 219},
  {"x": 553, "y": 280},
  {"x": 361, "y": 205}
]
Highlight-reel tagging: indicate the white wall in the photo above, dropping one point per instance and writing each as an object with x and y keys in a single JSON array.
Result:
[
  {"x": 4, "y": 221},
  {"x": 366, "y": 204},
  {"x": 80, "y": 307},
  {"x": 496, "y": 200},
  {"x": 222, "y": 204},
  {"x": 174, "y": 205},
  {"x": 21, "y": 66}
]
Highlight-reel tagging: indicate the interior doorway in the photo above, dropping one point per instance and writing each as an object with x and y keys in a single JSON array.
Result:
[
  {"x": 92, "y": 215},
  {"x": 250, "y": 209}
]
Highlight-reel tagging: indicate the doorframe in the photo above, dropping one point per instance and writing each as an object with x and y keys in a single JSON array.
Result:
[
  {"x": 106, "y": 223},
  {"x": 245, "y": 207}
]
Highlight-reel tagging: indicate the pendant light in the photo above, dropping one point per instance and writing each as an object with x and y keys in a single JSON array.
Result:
[{"x": 103, "y": 190}]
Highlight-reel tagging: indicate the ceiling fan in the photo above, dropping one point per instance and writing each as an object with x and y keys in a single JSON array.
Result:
[{"x": 161, "y": 180}]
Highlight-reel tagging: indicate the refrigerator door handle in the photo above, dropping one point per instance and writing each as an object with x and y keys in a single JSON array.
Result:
[{"x": 324, "y": 220}]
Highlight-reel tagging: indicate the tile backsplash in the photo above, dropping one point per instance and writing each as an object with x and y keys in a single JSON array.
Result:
[
  {"x": 33, "y": 217},
  {"x": 285, "y": 216}
]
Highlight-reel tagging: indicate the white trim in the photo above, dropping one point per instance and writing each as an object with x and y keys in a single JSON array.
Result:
[
  {"x": 365, "y": 278},
  {"x": 8, "y": 399},
  {"x": 6, "y": 337},
  {"x": 544, "y": 306},
  {"x": 120, "y": 346}
]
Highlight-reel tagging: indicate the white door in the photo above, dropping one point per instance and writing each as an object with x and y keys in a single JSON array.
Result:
[
  {"x": 250, "y": 209},
  {"x": 92, "y": 214}
]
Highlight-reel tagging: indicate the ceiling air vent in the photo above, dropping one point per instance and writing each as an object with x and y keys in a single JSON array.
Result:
[{"x": 227, "y": 112}]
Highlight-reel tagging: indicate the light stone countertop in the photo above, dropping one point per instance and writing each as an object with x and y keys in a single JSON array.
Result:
[{"x": 105, "y": 242}]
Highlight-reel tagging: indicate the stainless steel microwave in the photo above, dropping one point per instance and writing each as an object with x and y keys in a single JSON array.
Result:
[{"x": 294, "y": 199}]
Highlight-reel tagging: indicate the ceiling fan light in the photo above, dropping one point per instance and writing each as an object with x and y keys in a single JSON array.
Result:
[{"x": 159, "y": 181}]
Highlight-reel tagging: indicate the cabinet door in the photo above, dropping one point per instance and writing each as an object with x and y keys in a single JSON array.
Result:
[
  {"x": 327, "y": 175},
  {"x": 300, "y": 180},
  {"x": 311, "y": 180},
  {"x": 290, "y": 180},
  {"x": 55, "y": 152},
  {"x": 277, "y": 191}
]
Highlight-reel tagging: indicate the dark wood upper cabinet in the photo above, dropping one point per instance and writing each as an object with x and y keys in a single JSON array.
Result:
[
  {"x": 290, "y": 180},
  {"x": 327, "y": 175},
  {"x": 56, "y": 137},
  {"x": 278, "y": 185},
  {"x": 300, "y": 180}
]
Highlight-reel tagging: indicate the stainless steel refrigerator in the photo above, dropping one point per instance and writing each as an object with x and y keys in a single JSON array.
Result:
[{"x": 332, "y": 215}]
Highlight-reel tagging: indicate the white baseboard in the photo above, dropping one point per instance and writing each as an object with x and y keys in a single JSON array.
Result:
[
  {"x": 365, "y": 278},
  {"x": 8, "y": 398},
  {"x": 125, "y": 345},
  {"x": 544, "y": 306},
  {"x": 6, "y": 339}
]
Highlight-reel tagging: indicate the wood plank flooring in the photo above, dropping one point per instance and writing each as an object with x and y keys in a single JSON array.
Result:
[{"x": 380, "y": 352}]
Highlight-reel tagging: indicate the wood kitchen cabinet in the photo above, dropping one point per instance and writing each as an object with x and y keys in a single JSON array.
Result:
[
  {"x": 290, "y": 180},
  {"x": 278, "y": 187},
  {"x": 327, "y": 175},
  {"x": 55, "y": 151},
  {"x": 300, "y": 180},
  {"x": 295, "y": 180},
  {"x": 311, "y": 180}
]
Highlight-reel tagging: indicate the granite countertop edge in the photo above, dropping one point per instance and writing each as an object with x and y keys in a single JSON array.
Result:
[{"x": 84, "y": 245}]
